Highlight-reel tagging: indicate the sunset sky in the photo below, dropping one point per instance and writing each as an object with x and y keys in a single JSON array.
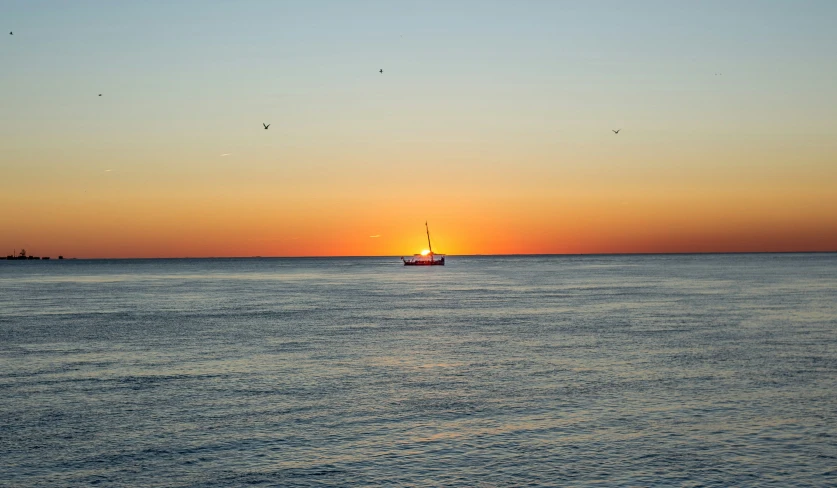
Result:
[{"x": 492, "y": 121}]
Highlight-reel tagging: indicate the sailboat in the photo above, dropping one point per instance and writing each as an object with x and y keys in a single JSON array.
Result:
[{"x": 426, "y": 258}]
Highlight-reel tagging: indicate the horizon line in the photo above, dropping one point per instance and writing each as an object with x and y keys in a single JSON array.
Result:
[{"x": 455, "y": 255}]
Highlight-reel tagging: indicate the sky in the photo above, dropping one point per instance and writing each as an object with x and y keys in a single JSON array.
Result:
[{"x": 492, "y": 121}]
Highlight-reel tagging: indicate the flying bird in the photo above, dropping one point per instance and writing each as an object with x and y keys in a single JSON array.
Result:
[
  {"x": 11, "y": 33},
  {"x": 616, "y": 131},
  {"x": 265, "y": 125},
  {"x": 380, "y": 71},
  {"x": 100, "y": 94}
]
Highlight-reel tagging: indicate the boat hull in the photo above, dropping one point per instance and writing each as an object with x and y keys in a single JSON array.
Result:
[
  {"x": 419, "y": 260},
  {"x": 424, "y": 263}
]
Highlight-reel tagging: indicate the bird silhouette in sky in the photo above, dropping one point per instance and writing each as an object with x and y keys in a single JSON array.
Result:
[
  {"x": 11, "y": 33},
  {"x": 265, "y": 125},
  {"x": 380, "y": 71},
  {"x": 616, "y": 131},
  {"x": 100, "y": 94}
]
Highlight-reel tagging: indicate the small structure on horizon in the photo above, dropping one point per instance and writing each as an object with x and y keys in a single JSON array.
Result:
[{"x": 21, "y": 255}]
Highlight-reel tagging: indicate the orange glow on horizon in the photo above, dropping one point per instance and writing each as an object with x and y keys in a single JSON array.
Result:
[
  {"x": 142, "y": 227},
  {"x": 531, "y": 209}
]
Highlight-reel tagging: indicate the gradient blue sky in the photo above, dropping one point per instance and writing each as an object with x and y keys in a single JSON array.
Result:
[{"x": 513, "y": 101}]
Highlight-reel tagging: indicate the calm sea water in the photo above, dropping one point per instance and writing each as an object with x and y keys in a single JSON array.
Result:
[{"x": 711, "y": 370}]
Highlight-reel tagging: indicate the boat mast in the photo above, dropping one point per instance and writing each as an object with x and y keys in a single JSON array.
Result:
[{"x": 429, "y": 246}]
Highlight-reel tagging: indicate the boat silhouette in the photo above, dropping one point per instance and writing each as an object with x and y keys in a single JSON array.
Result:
[{"x": 428, "y": 258}]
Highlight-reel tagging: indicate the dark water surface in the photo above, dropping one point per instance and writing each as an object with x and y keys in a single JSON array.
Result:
[{"x": 712, "y": 370}]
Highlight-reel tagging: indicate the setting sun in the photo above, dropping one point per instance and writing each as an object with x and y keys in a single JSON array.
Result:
[{"x": 425, "y": 252}]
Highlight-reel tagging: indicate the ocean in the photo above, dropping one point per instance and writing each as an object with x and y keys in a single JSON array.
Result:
[{"x": 631, "y": 370}]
